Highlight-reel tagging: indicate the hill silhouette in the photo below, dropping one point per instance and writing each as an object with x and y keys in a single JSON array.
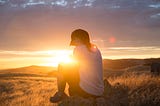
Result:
[
  {"x": 111, "y": 67},
  {"x": 28, "y": 71},
  {"x": 126, "y": 63}
]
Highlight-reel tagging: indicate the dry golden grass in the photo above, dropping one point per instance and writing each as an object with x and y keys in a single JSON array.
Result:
[
  {"x": 129, "y": 89},
  {"x": 141, "y": 89},
  {"x": 26, "y": 91}
]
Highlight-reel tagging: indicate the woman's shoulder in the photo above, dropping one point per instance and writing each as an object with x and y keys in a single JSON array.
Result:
[{"x": 80, "y": 47}]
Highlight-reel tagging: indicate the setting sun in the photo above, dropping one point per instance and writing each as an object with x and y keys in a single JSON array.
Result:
[{"x": 59, "y": 56}]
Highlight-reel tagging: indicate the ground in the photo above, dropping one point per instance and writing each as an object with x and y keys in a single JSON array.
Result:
[{"x": 127, "y": 89}]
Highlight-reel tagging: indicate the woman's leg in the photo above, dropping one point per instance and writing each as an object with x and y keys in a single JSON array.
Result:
[
  {"x": 61, "y": 82},
  {"x": 68, "y": 74}
]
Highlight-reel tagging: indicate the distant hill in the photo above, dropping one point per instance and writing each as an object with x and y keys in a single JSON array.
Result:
[
  {"x": 109, "y": 66},
  {"x": 29, "y": 70},
  {"x": 126, "y": 63}
]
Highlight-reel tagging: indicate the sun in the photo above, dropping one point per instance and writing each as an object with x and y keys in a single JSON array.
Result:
[
  {"x": 59, "y": 56},
  {"x": 63, "y": 58}
]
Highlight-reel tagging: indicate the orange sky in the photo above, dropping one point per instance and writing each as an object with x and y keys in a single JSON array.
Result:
[
  {"x": 35, "y": 32},
  {"x": 13, "y": 59}
]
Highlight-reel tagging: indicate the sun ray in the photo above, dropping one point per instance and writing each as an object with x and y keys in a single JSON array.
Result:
[{"x": 59, "y": 56}]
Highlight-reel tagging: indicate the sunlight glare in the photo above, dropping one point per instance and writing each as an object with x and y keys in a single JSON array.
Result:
[
  {"x": 59, "y": 56},
  {"x": 112, "y": 39}
]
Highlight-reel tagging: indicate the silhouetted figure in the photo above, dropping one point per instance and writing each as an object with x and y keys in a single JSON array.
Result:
[
  {"x": 155, "y": 68},
  {"x": 85, "y": 77}
]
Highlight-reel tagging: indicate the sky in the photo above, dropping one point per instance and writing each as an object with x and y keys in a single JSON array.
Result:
[{"x": 36, "y": 32}]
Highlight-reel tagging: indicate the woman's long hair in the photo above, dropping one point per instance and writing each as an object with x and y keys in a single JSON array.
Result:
[{"x": 83, "y": 36}]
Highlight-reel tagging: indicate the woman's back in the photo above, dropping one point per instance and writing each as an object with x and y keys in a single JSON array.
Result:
[{"x": 90, "y": 70}]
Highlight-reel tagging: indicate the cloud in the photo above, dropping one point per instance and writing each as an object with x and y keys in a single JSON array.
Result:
[
  {"x": 152, "y": 48},
  {"x": 49, "y": 3},
  {"x": 46, "y": 24},
  {"x": 33, "y": 54},
  {"x": 131, "y": 52}
]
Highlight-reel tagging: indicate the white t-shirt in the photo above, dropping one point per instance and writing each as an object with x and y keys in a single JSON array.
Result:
[{"x": 90, "y": 70}]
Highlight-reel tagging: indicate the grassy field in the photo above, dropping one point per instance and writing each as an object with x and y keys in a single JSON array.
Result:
[
  {"x": 26, "y": 91},
  {"x": 126, "y": 89}
]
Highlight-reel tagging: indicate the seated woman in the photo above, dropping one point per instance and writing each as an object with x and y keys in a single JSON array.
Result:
[{"x": 85, "y": 78}]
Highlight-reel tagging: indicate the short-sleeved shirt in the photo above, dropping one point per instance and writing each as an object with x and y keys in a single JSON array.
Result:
[{"x": 90, "y": 69}]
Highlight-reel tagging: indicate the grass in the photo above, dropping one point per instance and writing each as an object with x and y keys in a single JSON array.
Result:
[
  {"x": 129, "y": 89},
  {"x": 26, "y": 91},
  {"x": 141, "y": 90}
]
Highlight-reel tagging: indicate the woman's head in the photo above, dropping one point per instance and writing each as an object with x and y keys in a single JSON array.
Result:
[{"x": 80, "y": 36}]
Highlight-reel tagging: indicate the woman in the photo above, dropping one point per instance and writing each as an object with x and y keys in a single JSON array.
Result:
[{"x": 85, "y": 78}]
